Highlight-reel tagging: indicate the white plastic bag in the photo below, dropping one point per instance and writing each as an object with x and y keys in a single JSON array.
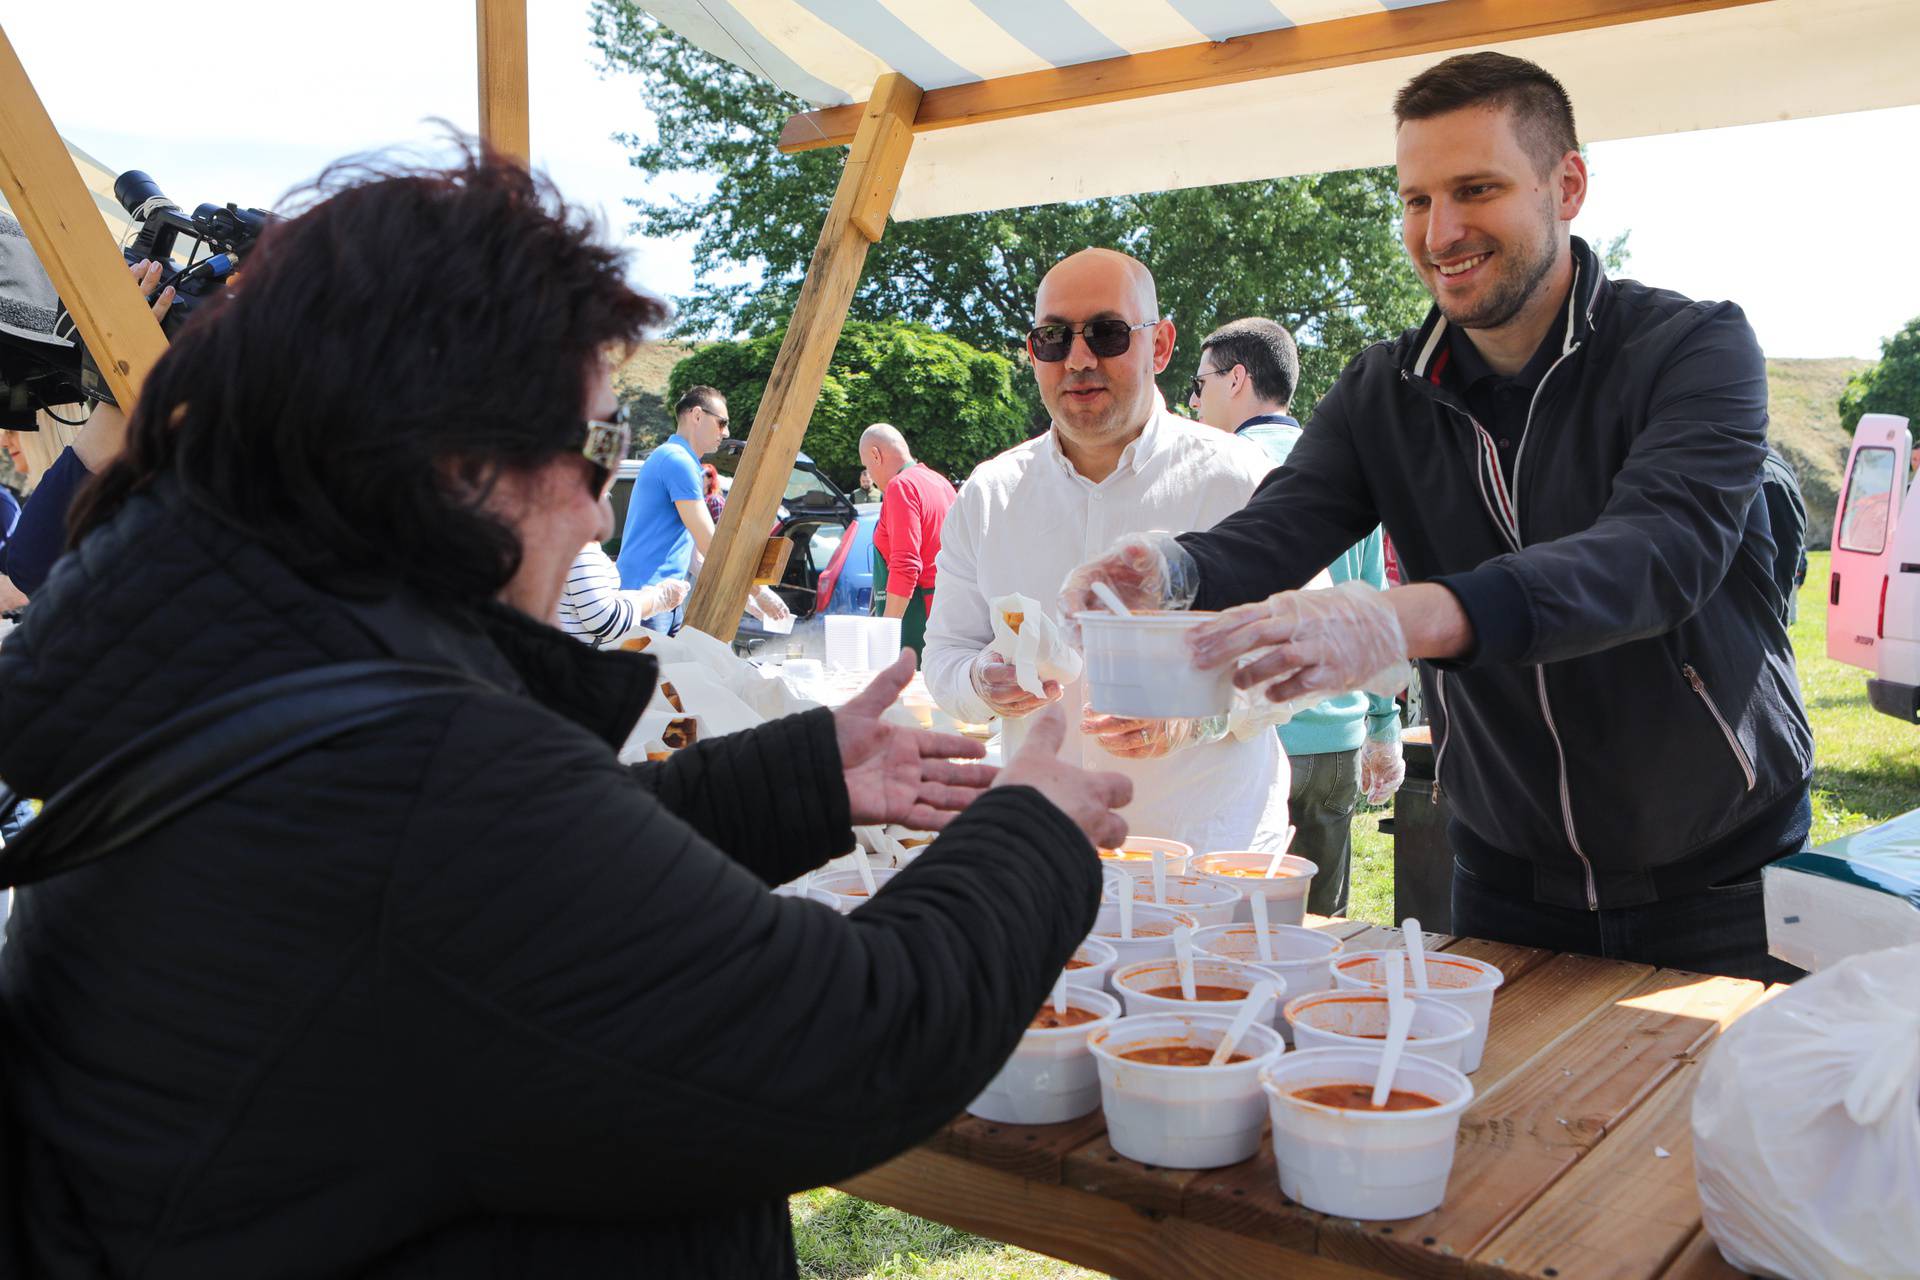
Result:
[
  {"x": 1024, "y": 635},
  {"x": 1806, "y": 1127}
]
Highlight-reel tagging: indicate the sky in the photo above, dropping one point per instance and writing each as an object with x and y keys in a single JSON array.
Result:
[{"x": 1804, "y": 223}]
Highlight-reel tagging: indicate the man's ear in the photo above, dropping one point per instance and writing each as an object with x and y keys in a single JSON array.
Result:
[
  {"x": 1570, "y": 186},
  {"x": 1164, "y": 336}
]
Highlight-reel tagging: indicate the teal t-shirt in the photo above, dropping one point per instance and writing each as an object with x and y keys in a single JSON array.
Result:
[{"x": 1342, "y": 723}]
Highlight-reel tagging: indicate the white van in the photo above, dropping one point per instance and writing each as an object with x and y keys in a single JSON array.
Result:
[{"x": 1873, "y": 599}]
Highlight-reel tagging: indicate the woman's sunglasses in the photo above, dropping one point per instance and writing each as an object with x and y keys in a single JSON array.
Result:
[
  {"x": 1050, "y": 343},
  {"x": 606, "y": 447}
]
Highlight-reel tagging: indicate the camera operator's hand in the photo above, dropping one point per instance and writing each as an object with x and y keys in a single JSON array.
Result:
[
  {"x": 146, "y": 274},
  {"x": 105, "y": 434},
  {"x": 1088, "y": 798}
]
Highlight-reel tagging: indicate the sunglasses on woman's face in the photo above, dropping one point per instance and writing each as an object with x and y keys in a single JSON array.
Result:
[
  {"x": 605, "y": 447},
  {"x": 1050, "y": 343}
]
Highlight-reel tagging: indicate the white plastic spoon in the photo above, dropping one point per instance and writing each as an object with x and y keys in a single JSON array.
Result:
[
  {"x": 865, "y": 869},
  {"x": 1399, "y": 1022},
  {"x": 1257, "y": 1002},
  {"x": 1110, "y": 599},
  {"x": 1060, "y": 994},
  {"x": 1416, "y": 952},
  {"x": 1160, "y": 877},
  {"x": 1183, "y": 960},
  {"x": 1273, "y": 864},
  {"x": 1262, "y": 940},
  {"x": 1126, "y": 911}
]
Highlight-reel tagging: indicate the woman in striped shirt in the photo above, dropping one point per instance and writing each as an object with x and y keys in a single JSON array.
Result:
[{"x": 595, "y": 609}]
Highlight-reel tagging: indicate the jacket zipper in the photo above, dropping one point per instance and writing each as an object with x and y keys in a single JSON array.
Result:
[
  {"x": 1540, "y": 672},
  {"x": 1509, "y": 525},
  {"x": 1446, "y": 730},
  {"x": 1739, "y": 752}
]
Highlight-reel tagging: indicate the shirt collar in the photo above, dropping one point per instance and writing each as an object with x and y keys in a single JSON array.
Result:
[
  {"x": 1265, "y": 419},
  {"x": 1469, "y": 366},
  {"x": 1141, "y": 451}
]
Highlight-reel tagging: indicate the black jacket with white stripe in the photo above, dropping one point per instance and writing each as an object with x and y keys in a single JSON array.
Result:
[{"x": 1630, "y": 709}]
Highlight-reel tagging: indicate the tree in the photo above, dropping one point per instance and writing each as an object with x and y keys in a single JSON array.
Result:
[
  {"x": 957, "y": 405},
  {"x": 1321, "y": 254},
  {"x": 1892, "y": 386}
]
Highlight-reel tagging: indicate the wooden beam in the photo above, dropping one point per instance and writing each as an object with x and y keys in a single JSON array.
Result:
[
  {"x": 858, "y": 216},
  {"x": 502, "y": 31},
  {"x": 1314, "y": 46},
  {"x": 62, "y": 223}
]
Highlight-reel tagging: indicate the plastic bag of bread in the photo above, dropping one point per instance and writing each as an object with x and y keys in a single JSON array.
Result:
[{"x": 1024, "y": 635}]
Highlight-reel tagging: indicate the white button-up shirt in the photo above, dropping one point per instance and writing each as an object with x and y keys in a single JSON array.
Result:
[{"x": 1023, "y": 521}]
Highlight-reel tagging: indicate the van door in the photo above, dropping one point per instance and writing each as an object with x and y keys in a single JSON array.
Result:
[{"x": 1863, "y": 537}]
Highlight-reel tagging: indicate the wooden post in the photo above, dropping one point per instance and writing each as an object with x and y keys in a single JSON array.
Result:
[
  {"x": 858, "y": 216},
  {"x": 502, "y": 44},
  {"x": 62, "y": 223}
]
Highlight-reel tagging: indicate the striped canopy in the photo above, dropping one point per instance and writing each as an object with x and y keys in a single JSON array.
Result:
[{"x": 1694, "y": 66}]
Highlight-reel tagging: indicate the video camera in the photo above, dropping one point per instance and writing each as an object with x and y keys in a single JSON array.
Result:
[{"x": 42, "y": 359}]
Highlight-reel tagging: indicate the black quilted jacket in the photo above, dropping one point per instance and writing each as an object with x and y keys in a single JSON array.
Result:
[{"x": 463, "y": 996}]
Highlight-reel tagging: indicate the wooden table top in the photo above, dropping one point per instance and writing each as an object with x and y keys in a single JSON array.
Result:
[{"x": 1575, "y": 1159}]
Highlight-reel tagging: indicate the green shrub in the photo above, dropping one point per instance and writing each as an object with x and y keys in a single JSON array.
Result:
[{"x": 956, "y": 404}]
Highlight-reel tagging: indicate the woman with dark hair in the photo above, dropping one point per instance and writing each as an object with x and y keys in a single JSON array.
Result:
[
  {"x": 710, "y": 487},
  {"x": 456, "y": 993}
]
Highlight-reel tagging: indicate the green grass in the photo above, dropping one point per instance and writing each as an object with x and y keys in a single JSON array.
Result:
[{"x": 1866, "y": 769}]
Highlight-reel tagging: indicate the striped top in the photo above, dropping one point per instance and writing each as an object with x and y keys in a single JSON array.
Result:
[{"x": 593, "y": 607}]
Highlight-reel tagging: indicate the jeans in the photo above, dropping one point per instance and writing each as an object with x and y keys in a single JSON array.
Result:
[
  {"x": 1722, "y": 930},
  {"x": 1320, "y": 804},
  {"x": 666, "y": 622}
]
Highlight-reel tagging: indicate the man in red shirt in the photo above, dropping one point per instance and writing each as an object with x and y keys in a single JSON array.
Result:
[{"x": 913, "y": 505}]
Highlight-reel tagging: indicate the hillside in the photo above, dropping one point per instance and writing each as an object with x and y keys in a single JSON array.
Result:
[
  {"x": 641, "y": 384},
  {"x": 1805, "y": 400}
]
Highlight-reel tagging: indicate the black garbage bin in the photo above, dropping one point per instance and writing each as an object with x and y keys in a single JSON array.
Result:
[{"x": 1422, "y": 862}]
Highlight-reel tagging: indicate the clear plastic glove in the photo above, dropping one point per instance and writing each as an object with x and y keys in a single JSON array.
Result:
[
  {"x": 1309, "y": 644},
  {"x": 998, "y": 684},
  {"x": 763, "y": 604},
  {"x": 1382, "y": 769},
  {"x": 1146, "y": 570},
  {"x": 663, "y": 596},
  {"x": 1133, "y": 739}
]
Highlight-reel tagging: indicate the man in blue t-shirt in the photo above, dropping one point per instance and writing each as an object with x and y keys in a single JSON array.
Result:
[{"x": 667, "y": 516}]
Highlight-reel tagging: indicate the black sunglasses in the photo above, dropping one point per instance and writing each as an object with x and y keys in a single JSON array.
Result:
[
  {"x": 1105, "y": 338},
  {"x": 1197, "y": 383}
]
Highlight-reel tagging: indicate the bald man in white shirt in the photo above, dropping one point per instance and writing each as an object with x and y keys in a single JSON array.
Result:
[{"x": 1113, "y": 460}]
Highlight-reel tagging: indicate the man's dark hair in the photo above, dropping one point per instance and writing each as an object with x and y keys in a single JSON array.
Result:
[
  {"x": 390, "y": 352},
  {"x": 1542, "y": 112},
  {"x": 701, "y": 397},
  {"x": 1265, "y": 348}
]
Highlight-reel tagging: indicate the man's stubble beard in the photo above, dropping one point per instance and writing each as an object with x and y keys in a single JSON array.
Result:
[{"x": 1512, "y": 293}]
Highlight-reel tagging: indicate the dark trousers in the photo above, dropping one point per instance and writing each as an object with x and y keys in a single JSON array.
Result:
[
  {"x": 1722, "y": 930},
  {"x": 1321, "y": 798}
]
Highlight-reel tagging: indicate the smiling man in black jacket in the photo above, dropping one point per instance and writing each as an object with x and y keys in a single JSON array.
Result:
[{"x": 1567, "y": 466}]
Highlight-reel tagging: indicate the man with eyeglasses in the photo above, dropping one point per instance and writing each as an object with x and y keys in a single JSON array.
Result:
[
  {"x": 1113, "y": 459},
  {"x": 667, "y": 518},
  {"x": 1348, "y": 745}
]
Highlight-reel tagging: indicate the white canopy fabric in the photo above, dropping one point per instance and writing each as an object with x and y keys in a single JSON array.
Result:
[
  {"x": 99, "y": 180},
  {"x": 1777, "y": 60}
]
